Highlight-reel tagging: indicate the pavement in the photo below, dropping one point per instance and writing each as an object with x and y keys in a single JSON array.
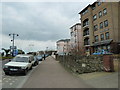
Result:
[
  {"x": 101, "y": 79},
  {"x": 51, "y": 74}
]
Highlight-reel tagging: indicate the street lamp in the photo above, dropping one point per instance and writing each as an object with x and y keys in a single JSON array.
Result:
[{"x": 13, "y": 47}]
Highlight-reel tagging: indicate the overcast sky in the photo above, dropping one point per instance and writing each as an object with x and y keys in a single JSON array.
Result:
[{"x": 38, "y": 23}]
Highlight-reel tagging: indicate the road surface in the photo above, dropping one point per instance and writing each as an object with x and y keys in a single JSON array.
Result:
[{"x": 13, "y": 81}]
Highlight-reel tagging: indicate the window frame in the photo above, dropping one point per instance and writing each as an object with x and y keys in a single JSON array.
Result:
[
  {"x": 107, "y": 35},
  {"x": 94, "y": 17},
  {"x": 102, "y": 37},
  {"x": 95, "y": 27},
  {"x": 106, "y": 23},
  {"x": 100, "y": 14},
  {"x": 101, "y": 27},
  {"x": 98, "y": 3},
  {"x": 96, "y": 40},
  {"x": 104, "y": 11}
]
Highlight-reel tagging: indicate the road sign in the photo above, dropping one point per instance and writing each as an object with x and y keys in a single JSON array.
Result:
[
  {"x": 15, "y": 52},
  {"x": 13, "y": 47}
]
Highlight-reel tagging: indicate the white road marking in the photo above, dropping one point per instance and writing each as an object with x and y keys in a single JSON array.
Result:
[
  {"x": 4, "y": 78},
  {"x": 6, "y": 81},
  {"x": 11, "y": 83}
]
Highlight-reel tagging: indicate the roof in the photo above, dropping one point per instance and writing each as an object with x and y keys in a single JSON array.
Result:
[
  {"x": 90, "y": 5},
  {"x": 63, "y": 40},
  {"x": 75, "y": 25},
  {"x": 84, "y": 9}
]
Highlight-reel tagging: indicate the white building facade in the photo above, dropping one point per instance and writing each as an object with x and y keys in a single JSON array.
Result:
[{"x": 63, "y": 47}]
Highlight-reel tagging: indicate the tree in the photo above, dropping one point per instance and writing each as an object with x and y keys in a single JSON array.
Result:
[
  {"x": 21, "y": 51},
  {"x": 6, "y": 51},
  {"x": 2, "y": 54}
]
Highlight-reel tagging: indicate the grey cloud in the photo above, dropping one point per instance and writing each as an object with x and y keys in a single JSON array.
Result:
[{"x": 40, "y": 21}]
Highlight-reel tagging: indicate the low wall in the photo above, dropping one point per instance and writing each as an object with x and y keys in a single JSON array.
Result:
[
  {"x": 82, "y": 64},
  {"x": 87, "y": 64}
]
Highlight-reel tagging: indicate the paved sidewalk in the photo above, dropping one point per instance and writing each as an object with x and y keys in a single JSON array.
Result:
[
  {"x": 101, "y": 79},
  {"x": 50, "y": 74}
]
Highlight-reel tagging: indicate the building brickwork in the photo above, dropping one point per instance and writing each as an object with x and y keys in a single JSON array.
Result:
[{"x": 100, "y": 26}]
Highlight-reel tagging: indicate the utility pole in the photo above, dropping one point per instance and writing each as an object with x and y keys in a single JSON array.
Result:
[{"x": 13, "y": 42}]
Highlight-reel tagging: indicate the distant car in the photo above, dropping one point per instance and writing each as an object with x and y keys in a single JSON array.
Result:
[
  {"x": 36, "y": 61},
  {"x": 39, "y": 57},
  {"x": 102, "y": 51},
  {"x": 19, "y": 64}
]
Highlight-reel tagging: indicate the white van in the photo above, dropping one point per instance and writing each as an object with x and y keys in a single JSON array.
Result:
[{"x": 19, "y": 64}]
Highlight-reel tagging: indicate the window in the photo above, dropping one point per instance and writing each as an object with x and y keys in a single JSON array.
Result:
[
  {"x": 105, "y": 11},
  {"x": 85, "y": 22},
  {"x": 86, "y": 41},
  {"x": 101, "y": 25},
  {"x": 85, "y": 12},
  {"x": 102, "y": 37},
  {"x": 71, "y": 33},
  {"x": 95, "y": 27},
  {"x": 100, "y": 14},
  {"x": 99, "y": 3},
  {"x": 95, "y": 17},
  {"x": 106, "y": 23},
  {"x": 107, "y": 35},
  {"x": 86, "y": 32},
  {"x": 96, "y": 38},
  {"x": 93, "y": 7}
]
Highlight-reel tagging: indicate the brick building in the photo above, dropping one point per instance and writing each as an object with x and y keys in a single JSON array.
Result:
[{"x": 100, "y": 27}]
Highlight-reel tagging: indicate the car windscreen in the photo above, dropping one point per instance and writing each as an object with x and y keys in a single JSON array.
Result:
[{"x": 20, "y": 59}]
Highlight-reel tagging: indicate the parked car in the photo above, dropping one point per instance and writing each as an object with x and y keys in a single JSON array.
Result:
[
  {"x": 102, "y": 51},
  {"x": 19, "y": 64},
  {"x": 36, "y": 61},
  {"x": 39, "y": 57}
]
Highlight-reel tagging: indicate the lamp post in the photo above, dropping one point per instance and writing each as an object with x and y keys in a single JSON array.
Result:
[{"x": 13, "y": 41}]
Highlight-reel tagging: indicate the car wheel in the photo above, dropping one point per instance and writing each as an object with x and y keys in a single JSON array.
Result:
[
  {"x": 25, "y": 72},
  {"x": 6, "y": 73}
]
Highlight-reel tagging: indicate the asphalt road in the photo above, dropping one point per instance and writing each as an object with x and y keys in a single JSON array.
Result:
[{"x": 50, "y": 74}]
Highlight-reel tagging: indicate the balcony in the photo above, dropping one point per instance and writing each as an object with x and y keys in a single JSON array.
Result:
[
  {"x": 85, "y": 23},
  {"x": 86, "y": 32},
  {"x": 86, "y": 36},
  {"x": 86, "y": 42},
  {"x": 86, "y": 26}
]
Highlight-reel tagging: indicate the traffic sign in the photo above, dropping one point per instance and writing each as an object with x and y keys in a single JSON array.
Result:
[{"x": 13, "y": 47}]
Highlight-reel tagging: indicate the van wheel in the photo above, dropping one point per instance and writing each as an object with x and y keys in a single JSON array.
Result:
[
  {"x": 25, "y": 72},
  {"x": 6, "y": 73},
  {"x": 31, "y": 68}
]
